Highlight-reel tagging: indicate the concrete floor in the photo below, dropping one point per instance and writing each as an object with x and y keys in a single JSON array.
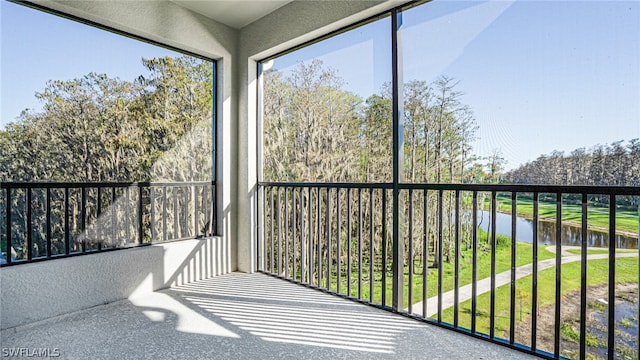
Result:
[{"x": 241, "y": 316}]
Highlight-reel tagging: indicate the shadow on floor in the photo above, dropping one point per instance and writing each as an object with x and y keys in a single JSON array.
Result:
[{"x": 244, "y": 316}]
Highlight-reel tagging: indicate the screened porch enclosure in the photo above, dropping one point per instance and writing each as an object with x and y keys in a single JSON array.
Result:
[
  {"x": 322, "y": 179},
  {"x": 389, "y": 175}
]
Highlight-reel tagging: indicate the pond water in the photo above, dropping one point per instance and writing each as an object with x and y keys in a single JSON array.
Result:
[
  {"x": 571, "y": 235},
  {"x": 627, "y": 332}
]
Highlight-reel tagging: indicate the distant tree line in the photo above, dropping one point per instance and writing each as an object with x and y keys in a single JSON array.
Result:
[{"x": 615, "y": 164}]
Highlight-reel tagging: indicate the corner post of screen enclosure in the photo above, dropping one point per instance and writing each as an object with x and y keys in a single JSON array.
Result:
[{"x": 398, "y": 150}]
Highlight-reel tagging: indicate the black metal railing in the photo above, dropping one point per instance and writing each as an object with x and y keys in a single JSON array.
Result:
[
  {"x": 47, "y": 220},
  {"x": 459, "y": 266}
]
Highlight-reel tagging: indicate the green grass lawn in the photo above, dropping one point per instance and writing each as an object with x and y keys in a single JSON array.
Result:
[
  {"x": 597, "y": 273},
  {"x": 598, "y": 217},
  {"x": 503, "y": 263}
]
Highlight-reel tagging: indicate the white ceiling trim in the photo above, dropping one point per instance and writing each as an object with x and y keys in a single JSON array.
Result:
[{"x": 234, "y": 13}]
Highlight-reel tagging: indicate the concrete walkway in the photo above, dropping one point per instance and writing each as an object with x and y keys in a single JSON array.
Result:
[
  {"x": 503, "y": 278},
  {"x": 243, "y": 316}
]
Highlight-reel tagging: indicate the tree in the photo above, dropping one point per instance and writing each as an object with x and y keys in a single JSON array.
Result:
[
  {"x": 376, "y": 135},
  {"x": 310, "y": 125},
  {"x": 495, "y": 165},
  {"x": 97, "y": 128}
]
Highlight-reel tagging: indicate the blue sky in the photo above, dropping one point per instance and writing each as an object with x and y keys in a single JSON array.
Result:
[
  {"x": 539, "y": 75},
  {"x": 38, "y": 47}
]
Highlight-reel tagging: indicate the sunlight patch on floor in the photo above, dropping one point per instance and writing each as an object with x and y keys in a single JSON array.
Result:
[
  {"x": 304, "y": 325},
  {"x": 159, "y": 306}
]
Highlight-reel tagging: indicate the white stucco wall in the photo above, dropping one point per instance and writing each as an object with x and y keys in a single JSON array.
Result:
[{"x": 40, "y": 290}]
